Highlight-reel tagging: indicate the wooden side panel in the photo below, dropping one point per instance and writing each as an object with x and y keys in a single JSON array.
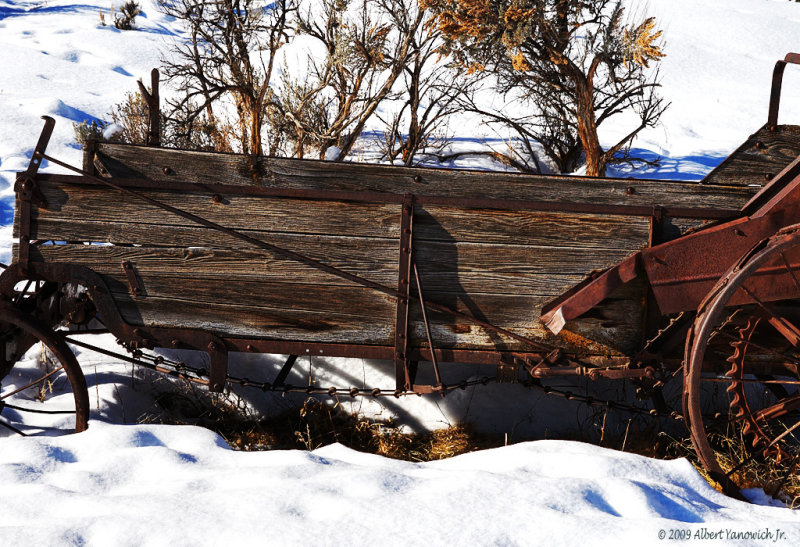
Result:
[
  {"x": 206, "y": 168},
  {"x": 762, "y": 156},
  {"x": 499, "y": 266}
]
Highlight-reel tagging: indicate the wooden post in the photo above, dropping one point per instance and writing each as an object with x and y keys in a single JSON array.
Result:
[{"x": 154, "y": 110}]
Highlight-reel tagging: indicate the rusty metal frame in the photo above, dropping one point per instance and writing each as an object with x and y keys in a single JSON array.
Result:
[
  {"x": 401, "y": 362},
  {"x": 775, "y": 91}
]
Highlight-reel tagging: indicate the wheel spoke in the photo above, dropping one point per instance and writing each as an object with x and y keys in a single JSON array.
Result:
[
  {"x": 729, "y": 380},
  {"x": 793, "y": 360},
  {"x": 781, "y": 324},
  {"x": 789, "y": 269},
  {"x": 777, "y": 410},
  {"x": 39, "y": 381}
]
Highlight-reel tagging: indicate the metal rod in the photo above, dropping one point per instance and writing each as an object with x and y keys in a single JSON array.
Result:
[
  {"x": 12, "y": 428},
  {"x": 427, "y": 329},
  {"x": 37, "y": 411},
  {"x": 39, "y": 381}
]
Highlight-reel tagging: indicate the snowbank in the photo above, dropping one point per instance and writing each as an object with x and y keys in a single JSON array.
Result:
[{"x": 180, "y": 485}]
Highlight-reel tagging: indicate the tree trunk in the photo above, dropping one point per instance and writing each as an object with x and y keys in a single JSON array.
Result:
[{"x": 587, "y": 130}]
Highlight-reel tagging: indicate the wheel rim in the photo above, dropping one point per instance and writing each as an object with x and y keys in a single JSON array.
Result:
[
  {"x": 19, "y": 411},
  {"x": 762, "y": 314}
]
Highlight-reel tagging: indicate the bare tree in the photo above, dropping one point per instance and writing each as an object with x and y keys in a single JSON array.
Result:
[
  {"x": 229, "y": 53},
  {"x": 364, "y": 57},
  {"x": 433, "y": 87},
  {"x": 570, "y": 65}
]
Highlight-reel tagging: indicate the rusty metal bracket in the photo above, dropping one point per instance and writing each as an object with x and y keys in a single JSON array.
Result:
[
  {"x": 28, "y": 191},
  {"x": 133, "y": 279},
  {"x": 402, "y": 377},
  {"x": 218, "y": 366},
  {"x": 775, "y": 91}
]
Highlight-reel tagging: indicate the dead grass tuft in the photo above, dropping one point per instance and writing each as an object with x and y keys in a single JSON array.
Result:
[{"x": 315, "y": 425}]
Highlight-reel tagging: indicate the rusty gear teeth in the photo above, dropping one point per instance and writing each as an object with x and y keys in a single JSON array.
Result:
[{"x": 739, "y": 406}]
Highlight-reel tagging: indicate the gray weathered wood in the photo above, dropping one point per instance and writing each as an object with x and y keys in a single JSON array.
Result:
[
  {"x": 467, "y": 267},
  {"x": 210, "y": 168},
  {"x": 96, "y": 214},
  {"x": 762, "y": 156}
]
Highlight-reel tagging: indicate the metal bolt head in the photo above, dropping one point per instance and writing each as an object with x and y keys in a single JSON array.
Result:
[
  {"x": 212, "y": 346},
  {"x": 767, "y": 176},
  {"x": 759, "y": 145},
  {"x": 417, "y": 179},
  {"x": 630, "y": 190},
  {"x": 216, "y": 198},
  {"x": 167, "y": 171},
  {"x": 249, "y": 347},
  {"x": 175, "y": 342}
]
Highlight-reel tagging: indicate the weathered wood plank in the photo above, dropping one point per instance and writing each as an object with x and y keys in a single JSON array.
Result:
[
  {"x": 447, "y": 225},
  {"x": 466, "y": 267},
  {"x": 501, "y": 310},
  {"x": 78, "y": 203},
  {"x": 314, "y": 326},
  {"x": 210, "y": 168},
  {"x": 763, "y": 155}
]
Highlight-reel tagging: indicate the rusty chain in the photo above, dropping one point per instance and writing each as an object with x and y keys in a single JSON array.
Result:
[{"x": 195, "y": 374}]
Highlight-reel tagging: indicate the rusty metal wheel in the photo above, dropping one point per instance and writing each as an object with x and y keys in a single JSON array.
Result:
[
  {"x": 746, "y": 339},
  {"x": 49, "y": 400}
]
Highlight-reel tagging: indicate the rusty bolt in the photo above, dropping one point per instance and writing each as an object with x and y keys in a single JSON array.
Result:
[
  {"x": 407, "y": 209},
  {"x": 417, "y": 179},
  {"x": 399, "y": 355},
  {"x": 138, "y": 332},
  {"x": 216, "y": 198},
  {"x": 137, "y": 290},
  {"x": 738, "y": 232},
  {"x": 767, "y": 176},
  {"x": 175, "y": 342},
  {"x": 127, "y": 265},
  {"x": 26, "y": 185},
  {"x": 249, "y": 347},
  {"x": 759, "y": 145},
  {"x": 167, "y": 171},
  {"x": 630, "y": 190},
  {"x": 212, "y": 346}
]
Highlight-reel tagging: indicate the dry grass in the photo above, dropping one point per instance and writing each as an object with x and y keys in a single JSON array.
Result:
[
  {"x": 316, "y": 424},
  {"x": 775, "y": 478}
]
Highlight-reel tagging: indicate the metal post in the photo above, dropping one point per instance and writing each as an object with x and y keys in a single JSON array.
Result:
[{"x": 403, "y": 379}]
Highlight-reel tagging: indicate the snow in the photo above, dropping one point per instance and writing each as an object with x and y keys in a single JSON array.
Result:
[
  {"x": 122, "y": 484},
  {"x": 179, "y": 485}
]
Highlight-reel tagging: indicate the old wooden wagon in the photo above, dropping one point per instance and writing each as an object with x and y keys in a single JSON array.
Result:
[{"x": 540, "y": 276}]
